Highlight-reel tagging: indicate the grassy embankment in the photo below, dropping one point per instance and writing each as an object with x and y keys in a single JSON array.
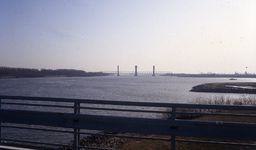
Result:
[{"x": 164, "y": 145}]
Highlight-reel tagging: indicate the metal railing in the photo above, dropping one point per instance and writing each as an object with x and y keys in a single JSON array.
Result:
[{"x": 77, "y": 120}]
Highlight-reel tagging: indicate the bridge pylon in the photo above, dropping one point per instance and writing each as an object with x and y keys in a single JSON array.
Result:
[
  {"x": 118, "y": 70},
  {"x": 136, "y": 73},
  {"x": 154, "y": 73}
]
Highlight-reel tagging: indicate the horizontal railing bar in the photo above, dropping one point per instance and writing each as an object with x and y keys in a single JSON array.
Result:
[
  {"x": 43, "y": 105},
  {"x": 20, "y": 147},
  {"x": 177, "y": 140},
  {"x": 145, "y": 111},
  {"x": 50, "y": 130},
  {"x": 128, "y": 110},
  {"x": 217, "y": 114},
  {"x": 31, "y": 142},
  {"x": 130, "y": 103},
  {"x": 98, "y": 148},
  {"x": 94, "y": 108},
  {"x": 88, "y": 133},
  {"x": 130, "y": 137},
  {"x": 166, "y": 122},
  {"x": 213, "y": 142},
  {"x": 108, "y": 119}
]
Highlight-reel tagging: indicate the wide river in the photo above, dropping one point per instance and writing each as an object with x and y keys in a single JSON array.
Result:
[{"x": 145, "y": 88}]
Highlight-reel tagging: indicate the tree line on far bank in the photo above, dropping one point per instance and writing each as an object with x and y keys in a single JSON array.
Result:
[{"x": 7, "y": 72}]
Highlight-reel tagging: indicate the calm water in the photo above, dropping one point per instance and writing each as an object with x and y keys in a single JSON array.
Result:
[{"x": 122, "y": 88}]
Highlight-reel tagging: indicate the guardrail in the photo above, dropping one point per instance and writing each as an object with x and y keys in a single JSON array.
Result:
[{"x": 78, "y": 119}]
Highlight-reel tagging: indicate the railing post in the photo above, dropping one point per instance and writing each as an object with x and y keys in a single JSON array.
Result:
[
  {"x": 78, "y": 111},
  {"x": 76, "y": 130},
  {"x": 173, "y": 136},
  {"x": 0, "y": 124}
]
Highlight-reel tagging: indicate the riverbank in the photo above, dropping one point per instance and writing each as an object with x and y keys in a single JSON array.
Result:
[
  {"x": 142, "y": 144},
  {"x": 235, "y": 87},
  {"x": 105, "y": 139}
]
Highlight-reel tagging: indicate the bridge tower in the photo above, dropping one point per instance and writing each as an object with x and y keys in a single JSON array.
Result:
[
  {"x": 154, "y": 71},
  {"x": 118, "y": 70},
  {"x": 136, "y": 73}
]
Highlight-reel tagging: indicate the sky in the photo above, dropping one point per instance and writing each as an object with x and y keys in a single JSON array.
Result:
[{"x": 180, "y": 36}]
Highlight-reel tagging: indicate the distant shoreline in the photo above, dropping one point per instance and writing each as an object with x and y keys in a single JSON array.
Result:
[
  {"x": 6, "y": 72},
  {"x": 11, "y": 77},
  {"x": 235, "y": 87},
  {"x": 211, "y": 75},
  {"x": 55, "y": 76}
]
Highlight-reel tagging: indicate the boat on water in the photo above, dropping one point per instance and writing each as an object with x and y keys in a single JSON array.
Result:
[{"x": 232, "y": 79}]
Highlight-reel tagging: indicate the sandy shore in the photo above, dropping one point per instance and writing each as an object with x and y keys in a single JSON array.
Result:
[{"x": 235, "y": 87}]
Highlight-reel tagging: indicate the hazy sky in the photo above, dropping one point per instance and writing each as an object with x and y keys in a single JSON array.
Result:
[{"x": 181, "y": 36}]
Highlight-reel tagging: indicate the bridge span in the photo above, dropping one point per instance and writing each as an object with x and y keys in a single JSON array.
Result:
[
  {"x": 135, "y": 72},
  {"x": 138, "y": 73}
]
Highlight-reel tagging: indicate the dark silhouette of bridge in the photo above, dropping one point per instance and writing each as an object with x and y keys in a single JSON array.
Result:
[{"x": 136, "y": 72}]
